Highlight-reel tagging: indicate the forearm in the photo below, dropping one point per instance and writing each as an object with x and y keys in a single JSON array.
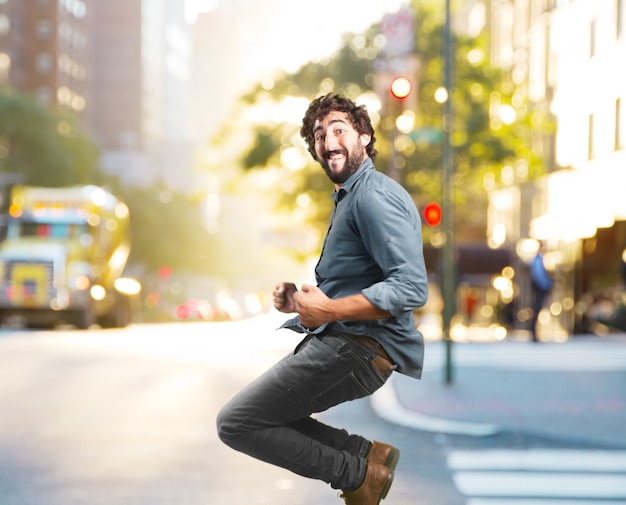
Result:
[
  {"x": 354, "y": 308},
  {"x": 315, "y": 308}
]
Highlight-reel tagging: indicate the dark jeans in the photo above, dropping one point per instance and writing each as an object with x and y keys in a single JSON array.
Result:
[
  {"x": 538, "y": 303},
  {"x": 270, "y": 418}
]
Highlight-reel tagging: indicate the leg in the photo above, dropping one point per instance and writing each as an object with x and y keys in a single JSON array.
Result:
[
  {"x": 268, "y": 419},
  {"x": 537, "y": 306},
  {"x": 328, "y": 435}
]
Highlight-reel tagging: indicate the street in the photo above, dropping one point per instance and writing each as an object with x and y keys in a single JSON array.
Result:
[{"x": 126, "y": 417}]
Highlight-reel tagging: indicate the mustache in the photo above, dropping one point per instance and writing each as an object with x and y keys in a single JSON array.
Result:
[{"x": 328, "y": 154}]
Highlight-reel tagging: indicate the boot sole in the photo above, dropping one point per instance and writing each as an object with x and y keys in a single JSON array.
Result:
[
  {"x": 392, "y": 460},
  {"x": 386, "y": 487}
]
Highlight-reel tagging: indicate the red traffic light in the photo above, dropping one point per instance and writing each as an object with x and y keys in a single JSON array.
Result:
[
  {"x": 432, "y": 214},
  {"x": 165, "y": 272},
  {"x": 401, "y": 87}
]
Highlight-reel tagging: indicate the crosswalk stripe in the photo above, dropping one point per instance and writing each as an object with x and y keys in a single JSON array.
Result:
[
  {"x": 540, "y": 459},
  {"x": 540, "y": 485},
  {"x": 539, "y": 476},
  {"x": 524, "y": 501}
]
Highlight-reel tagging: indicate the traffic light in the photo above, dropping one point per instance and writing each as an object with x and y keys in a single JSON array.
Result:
[
  {"x": 401, "y": 87},
  {"x": 165, "y": 271},
  {"x": 432, "y": 214}
]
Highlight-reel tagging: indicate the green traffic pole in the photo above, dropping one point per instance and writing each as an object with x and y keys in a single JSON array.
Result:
[{"x": 448, "y": 270}]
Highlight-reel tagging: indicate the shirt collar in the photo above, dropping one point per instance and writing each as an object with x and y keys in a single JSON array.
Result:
[{"x": 347, "y": 186}]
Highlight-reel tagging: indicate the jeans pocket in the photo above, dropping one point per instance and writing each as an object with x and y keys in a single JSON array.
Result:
[
  {"x": 357, "y": 380},
  {"x": 346, "y": 389}
]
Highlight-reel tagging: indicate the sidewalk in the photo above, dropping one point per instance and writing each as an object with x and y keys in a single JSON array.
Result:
[{"x": 574, "y": 390}]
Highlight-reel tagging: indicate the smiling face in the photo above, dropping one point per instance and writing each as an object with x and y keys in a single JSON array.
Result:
[{"x": 339, "y": 147}]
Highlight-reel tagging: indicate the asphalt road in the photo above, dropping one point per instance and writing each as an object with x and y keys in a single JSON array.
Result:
[{"x": 127, "y": 418}]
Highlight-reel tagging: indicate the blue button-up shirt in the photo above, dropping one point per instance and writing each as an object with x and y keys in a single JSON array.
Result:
[{"x": 374, "y": 246}]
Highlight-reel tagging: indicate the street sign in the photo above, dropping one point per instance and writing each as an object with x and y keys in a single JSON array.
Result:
[
  {"x": 426, "y": 135},
  {"x": 399, "y": 31}
]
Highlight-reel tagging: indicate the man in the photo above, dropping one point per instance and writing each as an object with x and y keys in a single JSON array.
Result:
[
  {"x": 542, "y": 284},
  {"x": 358, "y": 320}
]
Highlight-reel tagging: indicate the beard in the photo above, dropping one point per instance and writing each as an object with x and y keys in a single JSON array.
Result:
[{"x": 353, "y": 161}]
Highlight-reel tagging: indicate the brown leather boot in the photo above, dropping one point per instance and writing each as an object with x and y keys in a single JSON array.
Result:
[
  {"x": 378, "y": 480},
  {"x": 384, "y": 454}
]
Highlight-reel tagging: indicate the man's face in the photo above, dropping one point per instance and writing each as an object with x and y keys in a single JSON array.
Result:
[{"x": 339, "y": 147}]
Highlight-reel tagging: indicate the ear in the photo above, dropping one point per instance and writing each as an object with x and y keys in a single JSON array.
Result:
[{"x": 365, "y": 139}]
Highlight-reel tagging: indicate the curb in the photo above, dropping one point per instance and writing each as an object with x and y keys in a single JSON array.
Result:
[{"x": 386, "y": 405}]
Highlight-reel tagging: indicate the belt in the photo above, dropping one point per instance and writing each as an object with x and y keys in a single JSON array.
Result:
[{"x": 369, "y": 343}]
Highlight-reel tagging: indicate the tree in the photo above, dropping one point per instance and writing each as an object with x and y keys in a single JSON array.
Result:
[
  {"x": 485, "y": 141},
  {"x": 43, "y": 147},
  {"x": 167, "y": 229}
]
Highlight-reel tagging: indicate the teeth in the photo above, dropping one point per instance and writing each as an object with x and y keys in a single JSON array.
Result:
[{"x": 334, "y": 155}]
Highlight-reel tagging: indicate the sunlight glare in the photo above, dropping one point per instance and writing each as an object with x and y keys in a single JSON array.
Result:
[
  {"x": 506, "y": 114},
  {"x": 291, "y": 110},
  {"x": 194, "y": 7},
  {"x": 293, "y": 158},
  {"x": 441, "y": 95},
  {"x": 303, "y": 200}
]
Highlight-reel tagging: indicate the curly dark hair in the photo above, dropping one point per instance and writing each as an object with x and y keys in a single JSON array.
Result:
[{"x": 357, "y": 115}]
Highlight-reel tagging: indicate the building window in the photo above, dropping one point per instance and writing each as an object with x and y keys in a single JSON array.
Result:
[
  {"x": 590, "y": 138},
  {"x": 592, "y": 39},
  {"x": 618, "y": 124},
  {"x": 77, "y": 8},
  {"x": 44, "y": 95},
  {"x": 549, "y": 5},
  {"x": 5, "y": 66},
  {"x": 5, "y": 24},
  {"x": 44, "y": 29},
  {"x": 43, "y": 63}
]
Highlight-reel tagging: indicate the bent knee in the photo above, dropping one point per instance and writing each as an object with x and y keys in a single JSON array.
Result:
[
  {"x": 223, "y": 423},
  {"x": 229, "y": 429}
]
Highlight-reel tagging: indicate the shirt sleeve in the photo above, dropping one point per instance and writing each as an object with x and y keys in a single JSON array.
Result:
[{"x": 390, "y": 228}]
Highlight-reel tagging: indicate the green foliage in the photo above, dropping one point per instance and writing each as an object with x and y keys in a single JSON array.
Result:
[
  {"x": 483, "y": 144},
  {"x": 41, "y": 146},
  {"x": 45, "y": 148},
  {"x": 264, "y": 147}
]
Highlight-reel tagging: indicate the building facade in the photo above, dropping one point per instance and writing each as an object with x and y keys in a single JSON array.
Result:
[
  {"x": 45, "y": 49},
  {"x": 567, "y": 57},
  {"x": 141, "y": 78},
  {"x": 121, "y": 66}
]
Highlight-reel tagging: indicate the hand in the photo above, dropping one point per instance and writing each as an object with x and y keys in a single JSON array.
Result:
[
  {"x": 312, "y": 305},
  {"x": 283, "y": 297}
]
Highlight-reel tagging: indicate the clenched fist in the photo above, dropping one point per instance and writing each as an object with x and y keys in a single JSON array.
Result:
[{"x": 283, "y": 297}]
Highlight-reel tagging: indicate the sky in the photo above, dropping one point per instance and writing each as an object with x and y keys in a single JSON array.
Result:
[
  {"x": 296, "y": 31},
  {"x": 257, "y": 38}
]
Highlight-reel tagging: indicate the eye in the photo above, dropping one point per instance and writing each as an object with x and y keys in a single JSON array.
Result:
[{"x": 319, "y": 138}]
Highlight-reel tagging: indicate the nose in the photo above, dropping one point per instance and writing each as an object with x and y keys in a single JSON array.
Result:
[{"x": 330, "y": 142}]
